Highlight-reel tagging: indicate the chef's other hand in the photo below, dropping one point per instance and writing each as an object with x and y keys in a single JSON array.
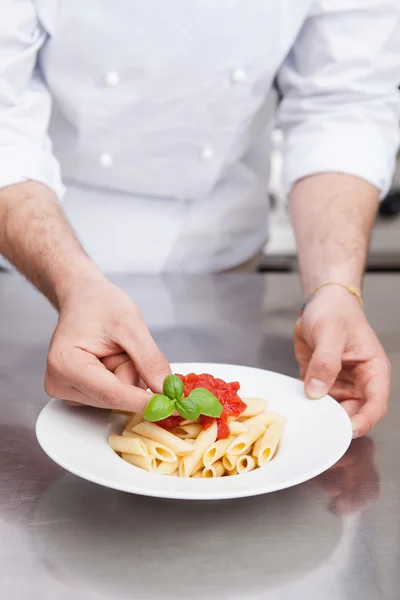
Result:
[
  {"x": 339, "y": 353},
  {"x": 102, "y": 353}
]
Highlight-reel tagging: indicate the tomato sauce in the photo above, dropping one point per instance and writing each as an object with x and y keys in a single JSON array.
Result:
[
  {"x": 227, "y": 394},
  {"x": 170, "y": 422}
]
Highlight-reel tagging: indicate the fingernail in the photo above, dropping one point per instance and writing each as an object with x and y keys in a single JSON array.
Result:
[
  {"x": 355, "y": 427},
  {"x": 356, "y": 431},
  {"x": 316, "y": 389}
]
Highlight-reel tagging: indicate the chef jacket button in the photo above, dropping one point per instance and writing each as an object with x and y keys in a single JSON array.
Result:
[
  {"x": 106, "y": 159},
  {"x": 238, "y": 76},
  {"x": 207, "y": 153},
  {"x": 112, "y": 78}
]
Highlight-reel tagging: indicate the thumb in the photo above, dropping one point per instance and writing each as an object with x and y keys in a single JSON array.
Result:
[
  {"x": 144, "y": 353},
  {"x": 326, "y": 361}
]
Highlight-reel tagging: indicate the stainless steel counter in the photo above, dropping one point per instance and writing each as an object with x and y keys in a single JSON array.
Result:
[{"x": 334, "y": 538}]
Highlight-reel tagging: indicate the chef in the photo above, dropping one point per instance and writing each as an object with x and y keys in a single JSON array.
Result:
[{"x": 131, "y": 139}]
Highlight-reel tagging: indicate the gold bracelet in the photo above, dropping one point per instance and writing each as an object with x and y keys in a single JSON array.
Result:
[{"x": 353, "y": 290}]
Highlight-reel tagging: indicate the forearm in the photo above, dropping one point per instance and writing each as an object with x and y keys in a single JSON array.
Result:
[
  {"x": 36, "y": 237},
  {"x": 332, "y": 216}
]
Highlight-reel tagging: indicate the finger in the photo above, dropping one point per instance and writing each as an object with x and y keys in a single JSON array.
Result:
[
  {"x": 326, "y": 361},
  {"x": 352, "y": 406},
  {"x": 301, "y": 349},
  {"x": 122, "y": 367},
  {"x": 144, "y": 353},
  {"x": 127, "y": 373},
  {"x": 343, "y": 385},
  {"x": 342, "y": 391},
  {"x": 88, "y": 375},
  {"x": 74, "y": 397},
  {"x": 80, "y": 401},
  {"x": 343, "y": 395},
  {"x": 113, "y": 361},
  {"x": 56, "y": 388},
  {"x": 69, "y": 395},
  {"x": 141, "y": 384},
  {"x": 376, "y": 396}
]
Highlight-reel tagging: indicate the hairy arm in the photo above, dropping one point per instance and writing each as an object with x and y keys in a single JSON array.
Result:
[
  {"x": 101, "y": 352},
  {"x": 337, "y": 350},
  {"x": 332, "y": 215},
  {"x": 36, "y": 237}
]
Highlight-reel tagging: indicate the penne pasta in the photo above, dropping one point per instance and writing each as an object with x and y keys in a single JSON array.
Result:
[
  {"x": 229, "y": 462},
  {"x": 187, "y": 432},
  {"x": 190, "y": 451},
  {"x": 168, "y": 468},
  {"x": 127, "y": 445},
  {"x": 190, "y": 464},
  {"x": 189, "y": 422},
  {"x": 235, "y": 427},
  {"x": 256, "y": 448},
  {"x": 216, "y": 451},
  {"x": 158, "y": 434},
  {"x": 256, "y": 427},
  {"x": 197, "y": 475},
  {"x": 134, "y": 420},
  {"x": 159, "y": 451},
  {"x": 215, "y": 470},
  {"x": 269, "y": 442},
  {"x": 245, "y": 463},
  {"x": 255, "y": 406},
  {"x": 117, "y": 411},
  {"x": 148, "y": 463}
]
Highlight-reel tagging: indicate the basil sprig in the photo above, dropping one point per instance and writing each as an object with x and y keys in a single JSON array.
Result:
[{"x": 199, "y": 402}]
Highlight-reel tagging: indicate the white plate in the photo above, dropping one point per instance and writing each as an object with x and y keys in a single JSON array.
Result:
[{"x": 317, "y": 434}]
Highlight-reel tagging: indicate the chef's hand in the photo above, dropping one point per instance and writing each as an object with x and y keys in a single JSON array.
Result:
[
  {"x": 102, "y": 353},
  {"x": 339, "y": 353}
]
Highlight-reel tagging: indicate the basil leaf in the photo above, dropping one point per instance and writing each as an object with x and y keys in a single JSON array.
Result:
[
  {"x": 159, "y": 407},
  {"x": 207, "y": 403},
  {"x": 187, "y": 408},
  {"x": 173, "y": 387}
]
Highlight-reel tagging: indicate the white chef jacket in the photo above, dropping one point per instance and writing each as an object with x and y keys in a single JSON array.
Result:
[{"x": 152, "y": 114}]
